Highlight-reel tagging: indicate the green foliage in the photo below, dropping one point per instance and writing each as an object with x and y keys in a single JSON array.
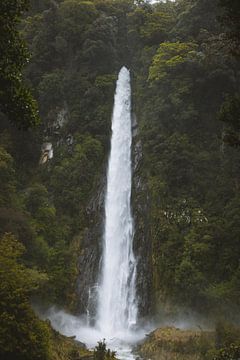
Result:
[
  {"x": 73, "y": 177},
  {"x": 102, "y": 353},
  {"x": 181, "y": 71},
  {"x": 226, "y": 334},
  {"x": 156, "y": 27},
  {"x": 232, "y": 352},
  {"x": 230, "y": 115},
  {"x": 7, "y": 178},
  {"x": 66, "y": 348},
  {"x": 231, "y": 19},
  {"x": 72, "y": 70},
  {"x": 51, "y": 91},
  {"x": 179, "y": 89},
  {"x": 169, "y": 342},
  {"x": 227, "y": 342},
  {"x": 169, "y": 56},
  {"x": 22, "y": 335},
  {"x": 15, "y": 99},
  {"x": 76, "y": 16},
  {"x": 230, "y": 112}
]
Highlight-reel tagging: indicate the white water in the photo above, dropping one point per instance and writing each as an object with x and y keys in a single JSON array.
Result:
[
  {"x": 117, "y": 306},
  {"x": 70, "y": 325}
]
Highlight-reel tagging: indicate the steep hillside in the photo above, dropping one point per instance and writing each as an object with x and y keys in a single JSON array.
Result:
[{"x": 184, "y": 62}]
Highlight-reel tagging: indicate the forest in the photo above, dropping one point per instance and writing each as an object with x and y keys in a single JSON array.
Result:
[{"x": 59, "y": 61}]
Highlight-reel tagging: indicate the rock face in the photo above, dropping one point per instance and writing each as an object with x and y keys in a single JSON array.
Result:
[
  {"x": 142, "y": 240},
  {"x": 52, "y": 133},
  {"x": 90, "y": 258},
  {"x": 46, "y": 152},
  {"x": 171, "y": 343}
]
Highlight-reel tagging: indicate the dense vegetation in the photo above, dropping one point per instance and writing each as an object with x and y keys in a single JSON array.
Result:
[
  {"x": 184, "y": 60},
  {"x": 186, "y": 85},
  {"x": 15, "y": 99}
]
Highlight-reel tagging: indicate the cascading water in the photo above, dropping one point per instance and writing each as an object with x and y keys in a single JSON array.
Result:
[{"x": 117, "y": 307}]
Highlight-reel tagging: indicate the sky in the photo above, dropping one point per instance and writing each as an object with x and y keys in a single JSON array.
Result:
[{"x": 155, "y": 1}]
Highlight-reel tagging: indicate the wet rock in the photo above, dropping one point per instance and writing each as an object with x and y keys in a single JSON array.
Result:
[
  {"x": 142, "y": 240},
  {"x": 137, "y": 158},
  {"x": 134, "y": 126},
  {"x": 62, "y": 118},
  {"x": 89, "y": 262},
  {"x": 46, "y": 152}
]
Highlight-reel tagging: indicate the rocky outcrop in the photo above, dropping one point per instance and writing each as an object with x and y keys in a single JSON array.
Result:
[
  {"x": 90, "y": 258},
  {"x": 46, "y": 152},
  {"x": 142, "y": 240},
  {"x": 56, "y": 120},
  {"x": 67, "y": 348}
]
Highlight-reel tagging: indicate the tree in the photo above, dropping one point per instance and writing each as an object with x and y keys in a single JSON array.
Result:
[
  {"x": 156, "y": 27},
  {"x": 73, "y": 177},
  {"x": 16, "y": 101},
  {"x": 230, "y": 115},
  {"x": 22, "y": 335},
  {"x": 169, "y": 57},
  {"x": 102, "y": 353},
  {"x": 231, "y": 20},
  {"x": 7, "y": 178}
]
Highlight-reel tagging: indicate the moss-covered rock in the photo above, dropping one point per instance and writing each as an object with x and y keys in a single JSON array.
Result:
[
  {"x": 170, "y": 343},
  {"x": 67, "y": 348}
]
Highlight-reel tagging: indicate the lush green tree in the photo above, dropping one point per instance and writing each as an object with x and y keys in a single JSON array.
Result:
[
  {"x": 99, "y": 48},
  {"x": 22, "y": 334},
  {"x": 156, "y": 27},
  {"x": 15, "y": 98},
  {"x": 76, "y": 17},
  {"x": 73, "y": 177},
  {"x": 50, "y": 90},
  {"x": 180, "y": 88},
  {"x": 168, "y": 58}
]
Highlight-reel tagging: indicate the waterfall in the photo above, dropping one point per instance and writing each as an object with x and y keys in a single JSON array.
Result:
[{"x": 117, "y": 307}]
